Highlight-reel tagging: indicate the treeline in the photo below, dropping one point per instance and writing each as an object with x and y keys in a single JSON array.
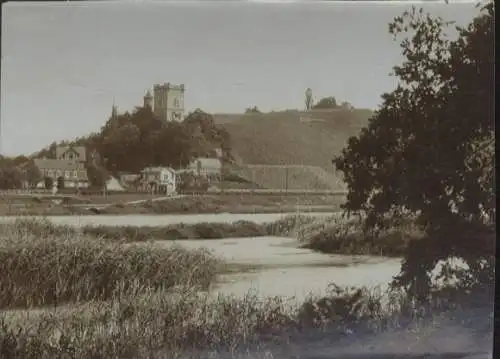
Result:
[{"x": 129, "y": 142}]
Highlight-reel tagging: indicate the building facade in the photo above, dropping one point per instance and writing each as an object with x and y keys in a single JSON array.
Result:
[
  {"x": 209, "y": 168},
  {"x": 159, "y": 179},
  {"x": 167, "y": 102},
  {"x": 62, "y": 173},
  {"x": 67, "y": 170}
]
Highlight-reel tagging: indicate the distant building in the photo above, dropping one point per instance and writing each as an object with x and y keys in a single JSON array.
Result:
[
  {"x": 159, "y": 179},
  {"x": 168, "y": 102},
  {"x": 64, "y": 173},
  {"x": 67, "y": 170},
  {"x": 209, "y": 168},
  {"x": 71, "y": 153}
]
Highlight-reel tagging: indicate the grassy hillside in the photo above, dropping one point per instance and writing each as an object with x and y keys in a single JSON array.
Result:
[
  {"x": 292, "y": 177},
  {"x": 292, "y": 137}
]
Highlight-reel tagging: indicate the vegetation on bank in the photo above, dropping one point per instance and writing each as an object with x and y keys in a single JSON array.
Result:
[
  {"x": 42, "y": 264},
  {"x": 329, "y": 234},
  {"x": 220, "y": 203},
  {"x": 156, "y": 324}
]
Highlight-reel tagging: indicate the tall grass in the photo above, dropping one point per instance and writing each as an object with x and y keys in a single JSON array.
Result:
[
  {"x": 42, "y": 264},
  {"x": 166, "y": 325},
  {"x": 157, "y": 324},
  {"x": 328, "y": 234},
  {"x": 139, "y": 302}
]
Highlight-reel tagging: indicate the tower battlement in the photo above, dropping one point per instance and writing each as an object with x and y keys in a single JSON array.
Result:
[{"x": 168, "y": 101}]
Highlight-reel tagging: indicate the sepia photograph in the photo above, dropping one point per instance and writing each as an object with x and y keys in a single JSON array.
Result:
[{"x": 247, "y": 179}]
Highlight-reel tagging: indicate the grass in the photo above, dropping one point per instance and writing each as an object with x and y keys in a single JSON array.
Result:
[
  {"x": 126, "y": 301},
  {"x": 220, "y": 203},
  {"x": 328, "y": 234},
  {"x": 279, "y": 138},
  {"x": 42, "y": 264},
  {"x": 167, "y": 325},
  {"x": 156, "y": 323}
]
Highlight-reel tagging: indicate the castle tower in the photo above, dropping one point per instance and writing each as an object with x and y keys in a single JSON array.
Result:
[
  {"x": 169, "y": 102},
  {"x": 148, "y": 100}
]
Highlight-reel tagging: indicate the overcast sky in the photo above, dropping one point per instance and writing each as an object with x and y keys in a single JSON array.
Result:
[{"x": 63, "y": 63}]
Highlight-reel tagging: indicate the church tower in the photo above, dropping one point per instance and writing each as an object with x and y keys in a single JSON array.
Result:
[{"x": 148, "y": 100}]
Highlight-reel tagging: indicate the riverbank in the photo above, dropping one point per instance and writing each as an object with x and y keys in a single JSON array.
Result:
[
  {"x": 324, "y": 233},
  {"x": 79, "y": 296},
  {"x": 215, "y": 203}
]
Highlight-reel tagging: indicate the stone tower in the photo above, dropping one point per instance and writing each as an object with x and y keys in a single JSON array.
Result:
[
  {"x": 169, "y": 102},
  {"x": 148, "y": 100}
]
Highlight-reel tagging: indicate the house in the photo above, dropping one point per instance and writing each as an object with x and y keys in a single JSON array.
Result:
[
  {"x": 159, "y": 179},
  {"x": 210, "y": 168},
  {"x": 71, "y": 153},
  {"x": 64, "y": 173}
]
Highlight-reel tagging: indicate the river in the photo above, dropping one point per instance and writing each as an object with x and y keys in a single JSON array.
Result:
[{"x": 279, "y": 267}]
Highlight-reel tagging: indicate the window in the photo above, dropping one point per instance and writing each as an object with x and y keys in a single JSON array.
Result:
[
  {"x": 176, "y": 102},
  {"x": 75, "y": 174},
  {"x": 58, "y": 173},
  {"x": 66, "y": 174},
  {"x": 50, "y": 173},
  {"x": 70, "y": 156}
]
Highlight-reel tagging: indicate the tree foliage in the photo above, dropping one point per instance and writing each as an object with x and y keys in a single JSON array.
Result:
[
  {"x": 326, "y": 103},
  {"x": 31, "y": 173},
  {"x": 10, "y": 174},
  {"x": 129, "y": 142},
  {"x": 428, "y": 150},
  {"x": 253, "y": 109}
]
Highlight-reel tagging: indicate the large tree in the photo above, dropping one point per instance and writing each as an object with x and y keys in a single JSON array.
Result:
[{"x": 428, "y": 150}]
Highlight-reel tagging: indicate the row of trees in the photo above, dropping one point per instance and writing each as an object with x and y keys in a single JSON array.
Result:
[{"x": 429, "y": 149}]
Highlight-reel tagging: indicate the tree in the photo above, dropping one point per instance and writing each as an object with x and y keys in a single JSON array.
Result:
[
  {"x": 428, "y": 150},
  {"x": 32, "y": 173},
  {"x": 97, "y": 175},
  {"x": 326, "y": 103},
  {"x": 252, "y": 110},
  {"x": 10, "y": 175},
  {"x": 48, "y": 182},
  {"x": 206, "y": 135},
  {"x": 346, "y": 105}
]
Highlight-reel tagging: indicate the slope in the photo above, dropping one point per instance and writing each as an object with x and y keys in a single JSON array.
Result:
[{"x": 292, "y": 137}]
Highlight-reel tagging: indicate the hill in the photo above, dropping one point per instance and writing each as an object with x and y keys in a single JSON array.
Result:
[
  {"x": 292, "y": 137},
  {"x": 292, "y": 177}
]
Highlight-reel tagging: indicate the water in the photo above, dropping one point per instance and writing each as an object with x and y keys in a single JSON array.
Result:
[
  {"x": 163, "y": 220},
  {"x": 280, "y": 268}
]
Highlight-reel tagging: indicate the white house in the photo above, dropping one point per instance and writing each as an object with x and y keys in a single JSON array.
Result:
[{"x": 159, "y": 179}]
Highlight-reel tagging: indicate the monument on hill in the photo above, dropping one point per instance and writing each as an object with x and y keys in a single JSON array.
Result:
[{"x": 309, "y": 100}]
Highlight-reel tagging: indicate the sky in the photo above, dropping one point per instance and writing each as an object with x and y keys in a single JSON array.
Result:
[{"x": 63, "y": 64}]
